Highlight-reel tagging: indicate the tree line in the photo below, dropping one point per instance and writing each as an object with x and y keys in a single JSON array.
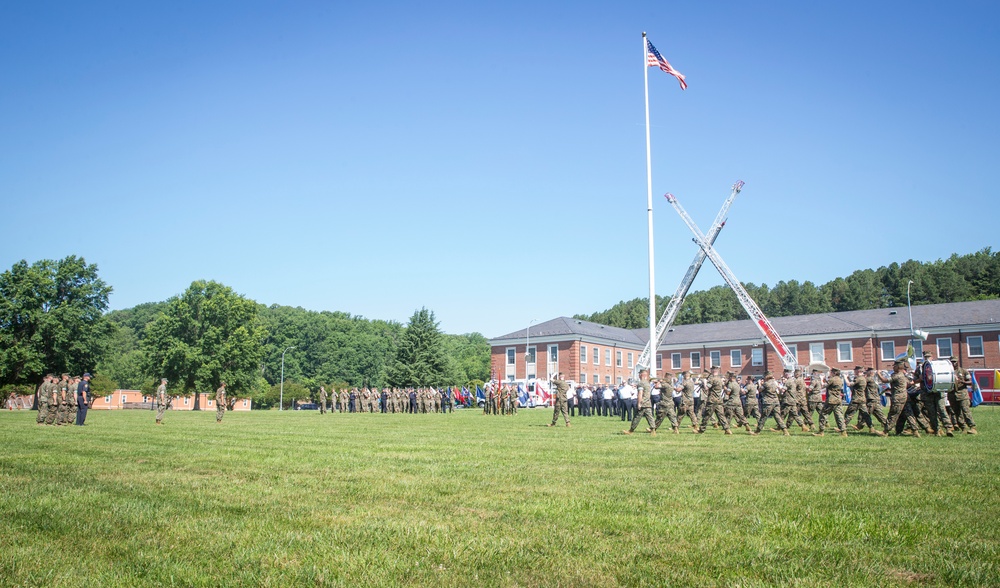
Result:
[
  {"x": 959, "y": 278},
  {"x": 53, "y": 318}
]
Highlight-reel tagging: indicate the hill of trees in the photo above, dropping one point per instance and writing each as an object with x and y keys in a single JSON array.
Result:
[{"x": 959, "y": 278}]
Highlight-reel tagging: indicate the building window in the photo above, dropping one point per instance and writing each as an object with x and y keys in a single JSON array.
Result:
[
  {"x": 757, "y": 356},
  {"x": 124, "y": 398},
  {"x": 631, "y": 360},
  {"x": 736, "y": 357},
  {"x": 816, "y": 354},
  {"x": 944, "y": 347},
  {"x": 619, "y": 380},
  {"x": 511, "y": 357},
  {"x": 107, "y": 399},
  {"x": 714, "y": 359},
  {"x": 696, "y": 360},
  {"x": 975, "y": 346},
  {"x": 918, "y": 347},
  {"x": 583, "y": 354},
  {"x": 618, "y": 358},
  {"x": 245, "y": 401},
  {"x": 794, "y": 350},
  {"x": 675, "y": 361},
  {"x": 844, "y": 351},
  {"x": 659, "y": 362},
  {"x": 596, "y": 380},
  {"x": 210, "y": 403},
  {"x": 607, "y": 380},
  {"x": 888, "y": 350},
  {"x": 583, "y": 378},
  {"x": 597, "y": 356},
  {"x": 530, "y": 357},
  {"x": 553, "y": 354},
  {"x": 185, "y": 401}
]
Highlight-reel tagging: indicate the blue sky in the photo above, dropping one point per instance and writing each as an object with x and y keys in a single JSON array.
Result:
[{"x": 487, "y": 160}]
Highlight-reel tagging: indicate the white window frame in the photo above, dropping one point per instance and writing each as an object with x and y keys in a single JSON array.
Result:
[
  {"x": 607, "y": 356},
  {"x": 209, "y": 402},
  {"x": 937, "y": 343},
  {"x": 675, "y": 361},
  {"x": 735, "y": 358},
  {"x": 840, "y": 352},
  {"x": 532, "y": 352},
  {"x": 583, "y": 378},
  {"x": 107, "y": 399},
  {"x": 715, "y": 358},
  {"x": 583, "y": 354},
  {"x": 918, "y": 347},
  {"x": 553, "y": 354},
  {"x": 607, "y": 379},
  {"x": 596, "y": 356},
  {"x": 619, "y": 378},
  {"x": 756, "y": 356},
  {"x": 631, "y": 360},
  {"x": 892, "y": 350},
  {"x": 695, "y": 359},
  {"x": 124, "y": 398},
  {"x": 968, "y": 343},
  {"x": 511, "y": 356},
  {"x": 659, "y": 362},
  {"x": 618, "y": 358},
  {"x": 245, "y": 401},
  {"x": 794, "y": 350},
  {"x": 817, "y": 353},
  {"x": 185, "y": 401},
  {"x": 596, "y": 380}
]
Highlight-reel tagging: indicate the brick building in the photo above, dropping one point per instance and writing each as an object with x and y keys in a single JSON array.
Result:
[{"x": 589, "y": 352}]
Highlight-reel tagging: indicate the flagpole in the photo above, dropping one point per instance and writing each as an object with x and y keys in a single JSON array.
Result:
[{"x": 649, "y": 216}]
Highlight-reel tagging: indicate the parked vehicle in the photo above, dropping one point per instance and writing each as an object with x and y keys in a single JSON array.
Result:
[{"x": 989, "y": 383}]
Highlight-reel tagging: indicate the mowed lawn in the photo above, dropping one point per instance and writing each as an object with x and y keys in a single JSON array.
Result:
[{"x": 303, "y": 499}]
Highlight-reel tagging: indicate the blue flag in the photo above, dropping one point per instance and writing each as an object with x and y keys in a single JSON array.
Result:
[
  {"x": 847, "y": 392},
  {"x": 522, "y": 395},
  {"x": 479, "y": 393},
  {"x": 977, "y": 394}
]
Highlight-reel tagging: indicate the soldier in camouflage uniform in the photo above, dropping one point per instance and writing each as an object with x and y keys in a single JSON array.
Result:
[
  {"x": 42, "y": 399},
  {"x": 559, "y": 404},
  {"x": 61, "y": 403},
  {"x": 220, "y": 402},
  {"x": 790, "y": 401},
  {"x": 933, "y": 402},
  {"x": 753, "y": 405},
  {"x": 959, "y": 397},
  {"x": 772, "y": 405},
  {"x": 900, "y": 408},
  {"x": 802, "y": 396},
  {"x": 54, "y": 401},
  {"x": 712, "y": 403},
  {"x": 873, "y": 399},
  {"x": 686, "y": 388},
  {"x": 859, "y": 400},
  {"x": 322, "y": 400},
  {"x": 665, "y": 407},
  {"x": 814, "y": 397},
  {"x": 161, "y": 401},
  {"x": 71, "y": 407},
  {"x": 834, "y": 404},
  {"x": 732, "y": 404},
  {"x": 644, "y": 405}
]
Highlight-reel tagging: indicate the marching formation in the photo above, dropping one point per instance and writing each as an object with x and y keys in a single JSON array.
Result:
[
  {"x": 388, "y": 400},
  {"x": 64, "y": 400}
]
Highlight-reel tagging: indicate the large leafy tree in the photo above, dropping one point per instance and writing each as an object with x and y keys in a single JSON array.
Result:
[
  {"x": 51, "y": 319},
  {"x": 206, "y": 335},
  {"x": 420, "y": 358}
]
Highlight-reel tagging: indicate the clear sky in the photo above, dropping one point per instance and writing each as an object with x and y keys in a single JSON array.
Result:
[{"x": 487, "y": 160}]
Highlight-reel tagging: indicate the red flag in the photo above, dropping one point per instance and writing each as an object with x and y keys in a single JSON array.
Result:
[{"x": 654, "y": 59}]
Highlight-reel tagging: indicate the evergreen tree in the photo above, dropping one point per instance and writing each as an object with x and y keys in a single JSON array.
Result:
[{"x": 420, "y": 358}]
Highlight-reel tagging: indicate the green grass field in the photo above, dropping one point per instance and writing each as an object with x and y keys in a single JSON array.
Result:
[{"x": 300, "y": 499}]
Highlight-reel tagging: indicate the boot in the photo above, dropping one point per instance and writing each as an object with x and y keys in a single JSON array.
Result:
[
  {"x": 752, "y": 433},
  {"x": 805, "y": 429},
  {"x": 916, "y": 434},
  {"x": 819, "y": 434},
  {"x": 787, "y": 434},
  {"x": 677, "y": 431},
  {"x": 748, "y": 427},
  {"x": 653, "y": 433},
  {"x": 626, "y": 432},
  {"x": 972, "y": 431},
  {"x": 728, "y": 432},
  {"x": 550, "y": 425},
  {"x": 567, "y": 424},
  {"x": 858, "y": 427},
  {"x": 843, "y": 433},
  {"x": 878, "y": 433},
  {"x": 940, "y": 433}
]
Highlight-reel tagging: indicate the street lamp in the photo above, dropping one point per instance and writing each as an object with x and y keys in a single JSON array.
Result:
[{"x": 281, "y": 393}]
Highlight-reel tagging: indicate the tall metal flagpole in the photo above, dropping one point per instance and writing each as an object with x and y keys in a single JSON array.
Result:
[{"x": 649, "y": 211}]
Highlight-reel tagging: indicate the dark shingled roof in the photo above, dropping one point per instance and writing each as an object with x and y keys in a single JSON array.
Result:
[{"x": 930, "y": 316}]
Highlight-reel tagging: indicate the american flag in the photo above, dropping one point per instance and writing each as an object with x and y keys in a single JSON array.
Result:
[{"x": 654, "y": 59}]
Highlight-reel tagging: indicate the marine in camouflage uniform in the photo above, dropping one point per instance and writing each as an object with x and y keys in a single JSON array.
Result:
[
  {"x": 54, "y": 401},
  {"x": 322, "y": 400},
  {"x": 712, "y": 403},
  {"x": 753, "y": 406},
  {"x": 859, "y": 400},
  {"x": 686, "y": 388},
  {"x": 732, "y": 403},
  {"x": 42, "y": 399},
  {"x": 933, "y": 402},
  {"x": 873, "y": 398},
  {"x": 62, "y": 400},
  {"x": 645, "y": 405},
  {"x": 70, "y": 416},
  {"x": 665, "y": 407},
  {"x": 900, "y": 409},
  {"x": 834, "y": 404},
  {"x": 814, "y": 397},
  {"x": 559, "y": 404},
  {"x": 802, "y": 396},
  {"x": 772, "y": 405},
  {"x": 790, "y": 401},
  {"x": 161, "y": 401},
  {"x": 959, "y": 398},
  {"x": 220, "y": 402}
]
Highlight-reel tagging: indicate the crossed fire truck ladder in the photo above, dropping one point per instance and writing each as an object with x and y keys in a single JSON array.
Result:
[{"x": 706, "y": 250}]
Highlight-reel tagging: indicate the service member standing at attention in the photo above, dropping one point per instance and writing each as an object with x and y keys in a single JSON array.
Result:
[
  {"x": 161, "y": 401},
  {"x": 712, "y": 403},
  {"x": 322, "y": 400},
  {"x": 559, "y": 407},
  {"x": 220, "y": 402},
  {"x": 42, "y": 398},
  {"x": 834, "y": 404},
  {"x": 645, "y": 405},
  {"x": 959, "y": 395}
]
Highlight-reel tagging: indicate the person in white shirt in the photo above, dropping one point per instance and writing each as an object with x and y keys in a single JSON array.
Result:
[{"x": 585, "y": 396}]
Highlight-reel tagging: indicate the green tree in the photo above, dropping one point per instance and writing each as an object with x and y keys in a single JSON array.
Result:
[
  {"x": 420, "y": 359},
  {"x": 51, "y": 319},
  {"x": 206, "y": 335}
]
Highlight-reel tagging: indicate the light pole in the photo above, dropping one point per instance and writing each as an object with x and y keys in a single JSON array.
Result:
[
  {"x": 281, "y": 388},
  {"x": 908, "y": 310}
]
